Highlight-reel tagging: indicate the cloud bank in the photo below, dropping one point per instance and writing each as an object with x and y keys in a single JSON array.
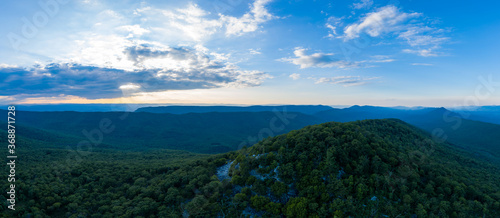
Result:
[{"x": 156, "y": 69}]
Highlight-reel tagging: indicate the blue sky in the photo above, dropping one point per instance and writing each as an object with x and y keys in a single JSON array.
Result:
[{"x": 365, "y": 52}]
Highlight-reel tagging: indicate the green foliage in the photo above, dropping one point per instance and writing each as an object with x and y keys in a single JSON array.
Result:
[
  {"x": 111, "y": 183},
  {"x": 370, "y": 168},
  {"x": 201, "y": 133},
  {"x": 367, "y": 168}
]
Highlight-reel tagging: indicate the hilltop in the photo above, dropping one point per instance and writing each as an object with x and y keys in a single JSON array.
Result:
[{"x": 364, "y": 168}]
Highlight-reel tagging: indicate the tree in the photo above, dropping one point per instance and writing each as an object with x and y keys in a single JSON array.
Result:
[{"x": 297, "y": 207}]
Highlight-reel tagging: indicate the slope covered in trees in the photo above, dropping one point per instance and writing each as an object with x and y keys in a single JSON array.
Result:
[
  {"x": 305, "y": 109},
  {"x": 201, "y": 133},
  {"x": 477, "y": 137},
  {"x": 365, "y": 168},
  {"x": 218, "y": 132}
]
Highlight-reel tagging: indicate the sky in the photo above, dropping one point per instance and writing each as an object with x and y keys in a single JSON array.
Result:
[{"x": 362, "y": 52}]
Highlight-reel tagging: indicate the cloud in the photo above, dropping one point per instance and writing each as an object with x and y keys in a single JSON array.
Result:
[
  {"x": 384, "y": 20},
  {"x": 130, "y": 86},
  {"x": 422, "y": 64},
  {"x": 191, "y": 21},
  {"x": 295, "y": 76},
  {"x": 345, "y": 80},
  {"x": 133, "y": 30},
  {"x": 363, "y": 4},
  {"x": 422, "y": 52},
  {"x": 250, "y": 21},
  {"x": 423, "y": 36},
  {"x": 165, "y": 57},
  {"x": 380, "y": 59},
  {"x": 332, "y": 24},
  {"x": 316, "y": 60},
  {"x": 8, "y": 66},
  {"x": 196, "y": 24},
  {"x": 390, "y": 21},
  {"x": 157, "y": 69},
  {"x": 151, "y": 50},
  {"x": 254, "y": 51}
]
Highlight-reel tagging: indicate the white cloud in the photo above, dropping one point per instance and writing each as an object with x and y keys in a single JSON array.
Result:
[
  {"x": 422, "y": 52},
  {"x": 332, "y": 24},
  {"x": 99, "y": 50},
  {"x": 250, "y": 21},
  {"x": 140, "y": 11},
  {"x": 198, "y": 25},
  {"x": 384, "y": 20},
  {"x": 345, "y": 80},
  {"x": 111, "y": 14},
  {"x": 363, "y": 4},
  {"x": 130, "y": 86},
  {"x": 8, "y": 66},
  {"x": 254, "y": 51},
  {"x": 192, "y": 22},
  {"x": 380, "y": 59},
  {"x": 133, "y": 30},
  {"x": 390, "y": 21},
  {"x": 422, "y": 64},
  {"x": 316, "y": 60},
  {"x": 422, "y": 36},
  {"x": 295, "y": 76}
]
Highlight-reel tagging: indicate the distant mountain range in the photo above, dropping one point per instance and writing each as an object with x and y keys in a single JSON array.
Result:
[
  {"x": 489, "y": 114},
  {"x": 201, "y": 132},
  {"x": 305, "y": 109},
  {"x": 216, "y": 129}
]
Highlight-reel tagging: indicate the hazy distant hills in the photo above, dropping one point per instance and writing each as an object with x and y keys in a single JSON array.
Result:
[
  {"x": 196, "y": 132},
  {"x": 490, "y": 114},
  {"x": 306, "y": 109},
  {"x": 216, "y": 129},
  {"x": 368, "y": 112},
  {"x": 78, "y": 107}
]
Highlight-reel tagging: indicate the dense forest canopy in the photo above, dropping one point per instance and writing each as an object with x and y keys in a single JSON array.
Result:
[
  {"x": 219, "y": 132},
  {"x": 365, "y": 168}
]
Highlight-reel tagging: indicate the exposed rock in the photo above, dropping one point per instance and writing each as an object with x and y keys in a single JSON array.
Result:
[{"x": 223, "y": 171}]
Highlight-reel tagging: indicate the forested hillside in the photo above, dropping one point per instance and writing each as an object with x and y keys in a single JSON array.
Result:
[
  {"x": 366, "y": 168},
  {"x": 201, "y": 133},
  {"x": 305, "y": 109},
  {"x": 477, "y": 137},
  {"x": 218, "y": 132}
]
